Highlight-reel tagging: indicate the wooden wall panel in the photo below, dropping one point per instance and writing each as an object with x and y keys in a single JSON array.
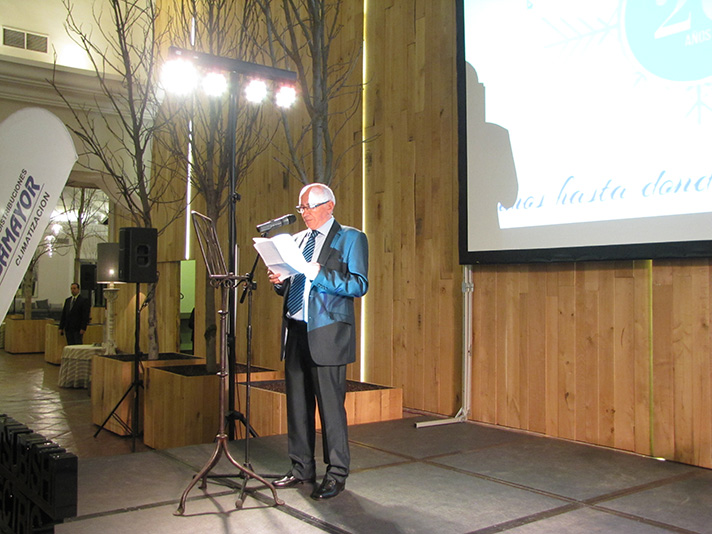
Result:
[
  {"x": 413, "y": 320},
  {"x": 551, "y": 348},
  {"x": 619, "y": 356},
  {"x": 663, "y": 403},
  {"x": 558, "y": 349},
  {"x": 681, "y": 378},
  {"x": 641, "y": 342}
]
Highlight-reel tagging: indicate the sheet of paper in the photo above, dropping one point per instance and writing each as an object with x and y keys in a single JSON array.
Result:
[{"x": 281, "y": 254}]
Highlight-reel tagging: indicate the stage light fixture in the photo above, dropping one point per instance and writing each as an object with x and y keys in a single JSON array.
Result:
[
  {"x": 286, "y": 96},
  {"x": 256, "y": 91},
  {"x": 214, "y": 84},
  {"x": 179, "y": 76}
]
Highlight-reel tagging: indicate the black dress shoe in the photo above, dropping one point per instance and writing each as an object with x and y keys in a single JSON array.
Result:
[
  {"x": 289, "y": 480},
  {"x": 328, "y": 489}
]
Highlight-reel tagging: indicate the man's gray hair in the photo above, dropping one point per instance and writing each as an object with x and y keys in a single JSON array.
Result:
[{"x": 318, "y": 193}]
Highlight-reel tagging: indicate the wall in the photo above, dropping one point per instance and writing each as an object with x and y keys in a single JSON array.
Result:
[
  {"x": 23, "y": 83},
  {"x": 610, "y": 353},
  {"x": 564, "y": 350},
  {"x": 47, "y": 17},
  {"x": 56, "y": 273},
  {"x": 681, "y": 378},
  {"x": 413, "y": 317}
]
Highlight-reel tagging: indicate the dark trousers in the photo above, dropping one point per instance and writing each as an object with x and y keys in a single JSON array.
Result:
[
  {"x": 74, "y": 337},
  {"x": 308, "y": 386}
]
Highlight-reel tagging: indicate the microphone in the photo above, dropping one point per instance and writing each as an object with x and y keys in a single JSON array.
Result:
[{"x": 284, "y": 220}]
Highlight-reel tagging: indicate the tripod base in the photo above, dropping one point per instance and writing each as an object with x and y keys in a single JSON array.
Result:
[
  {"x": 460, "y": 417},
  {"x": 220, "y": 449},
  {"x": 132, "y": 429}
]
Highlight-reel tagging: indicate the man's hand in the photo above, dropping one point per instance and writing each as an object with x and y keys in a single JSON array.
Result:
[{"x": 274, "y": 277}]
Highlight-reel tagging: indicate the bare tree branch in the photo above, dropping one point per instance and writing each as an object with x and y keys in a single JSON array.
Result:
[
  {"x": 82, "y": 209},
  {"x": 119, "y": 130},
  {"x": 304, "y": 32}
]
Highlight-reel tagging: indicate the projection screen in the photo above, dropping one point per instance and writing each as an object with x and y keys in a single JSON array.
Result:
[{"x": 585, "y": 129}]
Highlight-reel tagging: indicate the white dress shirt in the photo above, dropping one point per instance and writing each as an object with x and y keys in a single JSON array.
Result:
[{"x": 311, "y": 273}]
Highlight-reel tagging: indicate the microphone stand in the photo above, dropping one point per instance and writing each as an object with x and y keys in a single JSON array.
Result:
[
  {"x": 249, "y": 287},
  {"x": 234, "y": 414}
]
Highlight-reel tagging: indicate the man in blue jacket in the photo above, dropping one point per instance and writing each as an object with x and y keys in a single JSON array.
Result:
[{"x": 319, "y": 339}]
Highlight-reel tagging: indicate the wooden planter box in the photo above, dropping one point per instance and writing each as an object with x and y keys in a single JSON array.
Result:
[
  {"x": 182, "y": 404},
  {"x": 3, "y": 326},
  {"x": 111, "y": 377},
  {"x": 54, "y": 343},
  {"x": 25, "y": 336},
  {"x": 365, "y": 403}
]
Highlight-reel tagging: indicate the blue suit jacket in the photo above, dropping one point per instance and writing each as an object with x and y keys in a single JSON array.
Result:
[{"x": 342, "y": 277}]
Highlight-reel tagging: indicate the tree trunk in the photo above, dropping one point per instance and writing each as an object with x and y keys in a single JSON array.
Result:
[
  {"x": 153, "y": 348},
  {"x": 78, "y": 258},
  {"x": 27, "y": 291}
]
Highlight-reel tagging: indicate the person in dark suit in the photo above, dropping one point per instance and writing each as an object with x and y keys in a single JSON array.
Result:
[
  {"x": 319, "y": 340},
  {"x": 75, "y": 317}
]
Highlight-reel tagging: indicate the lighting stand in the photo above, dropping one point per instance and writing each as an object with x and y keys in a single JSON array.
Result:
[
  {"x": 235, "y": 68},
  {"x": 215, "y": 264},
  {"x": 219, "y": 274}
]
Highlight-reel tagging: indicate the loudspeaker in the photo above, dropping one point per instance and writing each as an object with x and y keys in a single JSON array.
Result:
[
  {"x": 138, "y": 255},
  {"x": 87, "y": 276}
]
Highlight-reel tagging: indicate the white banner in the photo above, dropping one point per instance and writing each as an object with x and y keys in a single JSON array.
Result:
[{"x": 36, "y": 156}]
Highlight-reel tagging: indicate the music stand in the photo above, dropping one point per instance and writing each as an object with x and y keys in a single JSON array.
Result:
[{"x": 219, "y": 277}]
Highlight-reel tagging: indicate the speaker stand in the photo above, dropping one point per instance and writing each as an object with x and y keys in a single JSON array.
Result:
[{"x": 136, "y": 382}]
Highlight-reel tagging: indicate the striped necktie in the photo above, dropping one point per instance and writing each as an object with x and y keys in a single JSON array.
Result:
[{"x": 295, "y": 299}]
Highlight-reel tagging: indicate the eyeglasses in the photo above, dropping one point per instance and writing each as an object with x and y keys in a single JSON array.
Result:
[{"x": 302, "y": 209}]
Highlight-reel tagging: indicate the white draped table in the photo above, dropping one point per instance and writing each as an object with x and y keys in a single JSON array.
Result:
[{"x": 75, "y": 369}]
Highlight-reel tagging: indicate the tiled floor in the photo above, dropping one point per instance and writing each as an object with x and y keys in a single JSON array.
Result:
[
  {"x": 457, "y": 478},
  {"x": 29, "y": 393}
]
